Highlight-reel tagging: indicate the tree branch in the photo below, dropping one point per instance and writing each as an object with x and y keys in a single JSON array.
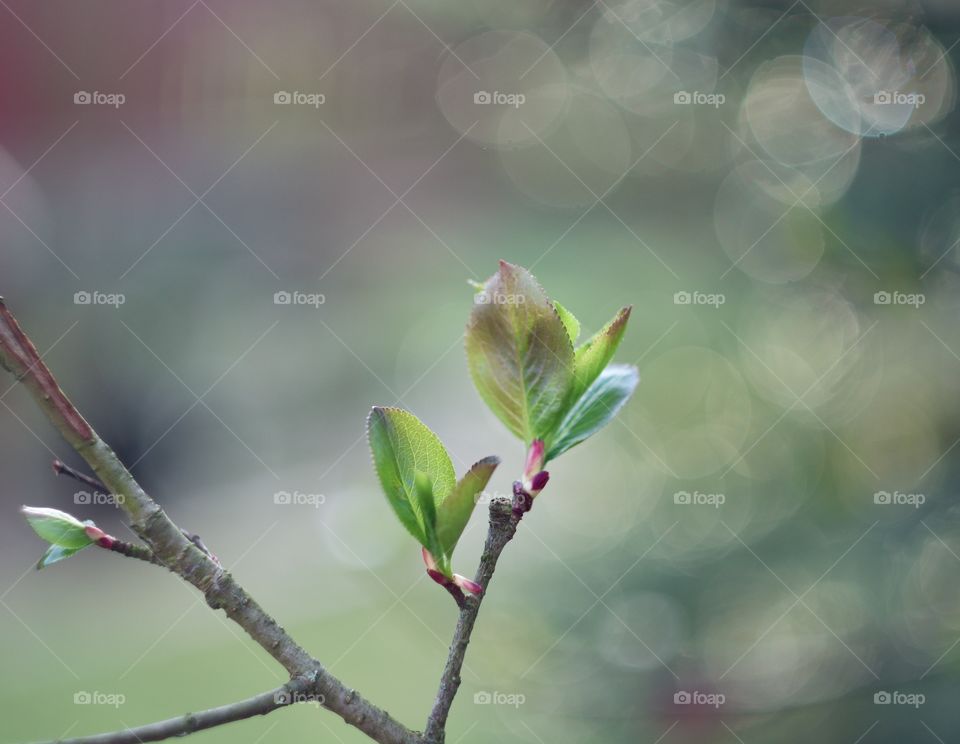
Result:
[
  {"x": 503, "y": 526},
  {"x": 189, "y": 723},
  {"x": 175, "y": 550},
  {"x": 131, "y": 550}
]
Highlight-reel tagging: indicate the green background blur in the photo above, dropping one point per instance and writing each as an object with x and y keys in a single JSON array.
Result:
[{"x": 777, "y": 203}]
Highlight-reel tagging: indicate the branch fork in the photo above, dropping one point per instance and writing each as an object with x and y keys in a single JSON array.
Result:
[{"x": 183, "y": 553}]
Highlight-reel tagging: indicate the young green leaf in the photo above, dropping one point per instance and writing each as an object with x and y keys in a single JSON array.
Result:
[
  {"x": 593, "y": 356},
  {"x": 519, "y": 353},
  {"x": 55, "y": 553},
  {"x": 455, "y": 510},
  {"x": 569, "y": 321},
  {"x": 402, "y": 445},
  {"x": 595, "y": 408},
  {"x": 423, "y": 491},
  {"x": 57, "y": 527}
]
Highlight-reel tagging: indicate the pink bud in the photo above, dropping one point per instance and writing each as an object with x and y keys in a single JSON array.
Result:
[
  {"x": 539, "y": 481},
  {"x": 438, "y": 577},
  {"x": 464, "y": 583},
  {"x": 96, "y": 534},
  {"x": 429, "y": 560},
  {"x": 534, "y": 459}
]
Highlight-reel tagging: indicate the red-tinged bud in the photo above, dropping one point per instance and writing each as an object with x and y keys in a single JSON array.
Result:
[
  {"x": 538, "y": 482},
  {"x": 429, "y": 560},
  {"x": 438, "y": 577},
  {"x": 522, "y": 500},
  {"x": 464, "y": 583},
  {"x": 95, "y": 533},
  {"x": 534, "y": 462}
]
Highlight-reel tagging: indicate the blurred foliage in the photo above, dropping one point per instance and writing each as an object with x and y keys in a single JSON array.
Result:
[{"x": 772, "y": 516}]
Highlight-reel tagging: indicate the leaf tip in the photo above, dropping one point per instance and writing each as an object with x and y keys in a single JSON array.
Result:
[
  {"x": 375, "y": 412},
  {"x": 490, "y": 461},
  {"x": 620, "y": 320}
]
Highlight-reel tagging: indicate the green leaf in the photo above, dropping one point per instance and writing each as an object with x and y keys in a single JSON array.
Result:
[
  {"x": 57, "y": 527},
  {"x": 519, "y": 353},
  {"x": 595, "y": 408},
  {"x": 423, "y": 492},
  {"x": 402, "y": 445},
  {"x": 593, "y": 356},
  {"x": 569, "y": 321},
  {"x": 455, "y": 510},
  {"x": 56, "y": 553}
]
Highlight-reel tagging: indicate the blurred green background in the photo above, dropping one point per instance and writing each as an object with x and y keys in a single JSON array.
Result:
[{"x": 748, "y": 175}]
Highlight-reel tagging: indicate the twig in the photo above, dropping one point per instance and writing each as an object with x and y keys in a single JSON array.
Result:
[
  {"x": 503, "y": 526},
  {"x": 140, "y": 552},
  {"x": 178, "y": 553},
  {"x": 259, "y": 705},
  {"x": 119, "y": 546},
  {"x": 130, "y": 550},
  {"x": 61, "y": 468}
]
